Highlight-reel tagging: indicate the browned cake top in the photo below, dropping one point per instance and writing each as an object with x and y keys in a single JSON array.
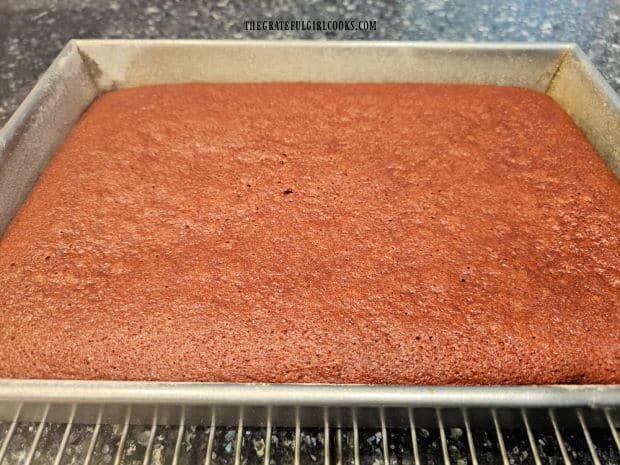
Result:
[{"x": 366, "y": 233}]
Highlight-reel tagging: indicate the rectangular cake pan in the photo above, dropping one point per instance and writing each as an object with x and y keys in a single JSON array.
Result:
[{"x": 87, "y": 68}]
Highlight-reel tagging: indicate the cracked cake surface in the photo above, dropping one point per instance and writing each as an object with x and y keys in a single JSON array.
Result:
[{"x": 317, "y": 233}]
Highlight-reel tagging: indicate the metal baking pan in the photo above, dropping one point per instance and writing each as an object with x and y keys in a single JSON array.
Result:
[{"x": 87, "y": 68}]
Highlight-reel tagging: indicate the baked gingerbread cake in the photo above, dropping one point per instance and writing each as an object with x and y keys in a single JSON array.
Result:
[{"x": 317, "y": 233}]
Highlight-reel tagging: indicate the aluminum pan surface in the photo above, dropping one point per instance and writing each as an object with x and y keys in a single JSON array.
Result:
[
  {"x": 127, "y": 63},
  {"x": 38, "y": 127},
  {"x": 93, "y": 66},
  {"x": 305, "y": 394}
]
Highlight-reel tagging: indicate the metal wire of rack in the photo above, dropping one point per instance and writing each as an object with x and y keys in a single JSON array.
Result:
[{"x": 427, "y": 436}]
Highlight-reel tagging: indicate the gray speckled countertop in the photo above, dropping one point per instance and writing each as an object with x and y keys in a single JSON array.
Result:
[{"x": 32, "y": 32}]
